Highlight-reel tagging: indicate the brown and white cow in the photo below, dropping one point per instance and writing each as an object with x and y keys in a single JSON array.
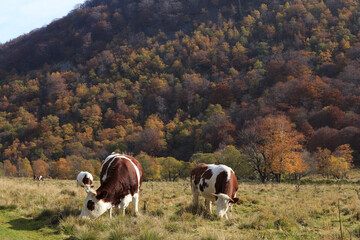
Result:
[
  {"x": 38, "y": 177},
  {"x": 85, "y": 180},
  {"x": 121, "y": 177},
  {"x": 215, "y": 183}
]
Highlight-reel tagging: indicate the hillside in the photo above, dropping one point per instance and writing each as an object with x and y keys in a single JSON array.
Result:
[{"x": 173, "y": 78}]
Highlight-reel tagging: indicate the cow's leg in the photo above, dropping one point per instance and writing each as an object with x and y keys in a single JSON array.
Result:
[
  {"x": 231, "y": 205},
  {"x": 110, "y": 212},
  {"x": 208, "y": 205},
  {"x": 195, "y": 196},
  {"x": 135, "y": 200}
]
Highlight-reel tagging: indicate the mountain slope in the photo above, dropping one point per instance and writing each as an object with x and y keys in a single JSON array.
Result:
[
  {"x": 87, "y": 30},
  {"x": 178, "y": 77}
]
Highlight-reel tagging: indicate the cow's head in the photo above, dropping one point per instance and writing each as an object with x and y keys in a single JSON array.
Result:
[
  {"x": 94, "y": 205},
  {"x": 223, "y": 202}
]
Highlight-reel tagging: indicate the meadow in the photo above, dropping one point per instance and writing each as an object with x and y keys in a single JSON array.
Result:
[{"x": 49, "y": 210}]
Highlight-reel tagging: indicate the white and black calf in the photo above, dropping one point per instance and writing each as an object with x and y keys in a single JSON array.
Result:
[
  {"x": 215, "y": 183},
  {"x": 85, "y": 180},
  {"x": 121, "y": 177}
]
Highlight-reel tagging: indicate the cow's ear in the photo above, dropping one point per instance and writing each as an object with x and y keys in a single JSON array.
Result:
[
  {"x": 102, "y": 195},
  {"x": 234, "y": 200}
]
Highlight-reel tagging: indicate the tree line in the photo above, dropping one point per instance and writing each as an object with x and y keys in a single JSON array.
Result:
[{"x": 274, "y": 154}]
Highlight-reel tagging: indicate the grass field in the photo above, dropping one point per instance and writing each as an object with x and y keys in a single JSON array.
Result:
[{"x": 49, "y": 210}]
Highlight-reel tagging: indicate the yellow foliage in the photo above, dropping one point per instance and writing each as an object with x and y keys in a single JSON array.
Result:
[
  {"x": 336, "y": 164},
  {"x": 24, "y": 168},
  {"x": 154, "y": 122},
  {"x": 338, "y": 167}
]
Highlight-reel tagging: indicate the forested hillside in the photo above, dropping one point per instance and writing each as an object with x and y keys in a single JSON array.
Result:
[{"x": 276, "y": 82}]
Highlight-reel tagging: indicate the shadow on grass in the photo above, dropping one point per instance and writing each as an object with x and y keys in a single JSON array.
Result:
[
  {"x": 54, "y": 216},
  {"x": 200, "y": 210},
  {"x": 24, "y": 224},
  {"x": 47, "y": 218},
  {"x": 8, "y": 207}
]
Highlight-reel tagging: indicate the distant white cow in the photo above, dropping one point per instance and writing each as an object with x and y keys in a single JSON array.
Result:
[{"x": 85, "y": 180}]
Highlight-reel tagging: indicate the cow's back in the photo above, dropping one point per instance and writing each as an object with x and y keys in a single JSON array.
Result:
[
  {"x": 210, "y": 178},
  {"x": 197, "y": 172}
]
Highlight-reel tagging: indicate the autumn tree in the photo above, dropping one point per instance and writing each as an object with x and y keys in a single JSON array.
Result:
[
  {"x": 56, "y": 86},
  {"x": 233, "y": 158},
  {"x": 170, "y": 168},
  {"x": 251, "y": 143},
  {"x": 9, "y": 169},
  {"x": 222, "y": 95},
  {"x": 323, "y": 138},
  {"x": 329, "y": 116},
  {"x": 40, "y": 167},
  {"x": 92, "y": 115},
  {"x": 282, "y": 146},
  {"x": 62, "y": 169},
  {"x": 150, "y": 167},
  {"x": 14, "y": 151},
  {"x": 344, "y": 151},
  {"x": 322, "y": 157},
  {"x": 77, "y": 164},
  {"x": 152, "y": 139},
  {"x": 208, "y": 158},
  {"x": 23, "y": 167},
  {"x": 217, "y": 128},
  {"x": 336, "y": 164},
  {"x": 338, "y": 167},
  {"x": 274, "y": 147}
]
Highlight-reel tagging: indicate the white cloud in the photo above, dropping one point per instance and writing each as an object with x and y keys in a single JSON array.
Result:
[{"x": 19, "y": 17}]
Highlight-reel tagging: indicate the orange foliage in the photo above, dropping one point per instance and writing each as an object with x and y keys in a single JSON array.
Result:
[
  {"x": 62, "y": 169},
  {"x": 282, "y": 146},
  {"x": 344, "y": 151},
  {"x": 40, "y": 167}
]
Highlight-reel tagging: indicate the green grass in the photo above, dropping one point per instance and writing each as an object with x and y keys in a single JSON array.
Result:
[{"x": 14, "y": 226}]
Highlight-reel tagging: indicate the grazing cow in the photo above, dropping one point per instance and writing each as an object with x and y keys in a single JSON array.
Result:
[
  {"x": 38, "y": 177},
  {"x": 215, "y": 183},
  {"x": 121, "y": 177},
  {"x": 85, "y": 180}
]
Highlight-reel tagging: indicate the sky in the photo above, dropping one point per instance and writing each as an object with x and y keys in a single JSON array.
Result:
[{"x": 18, "y": 17}]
